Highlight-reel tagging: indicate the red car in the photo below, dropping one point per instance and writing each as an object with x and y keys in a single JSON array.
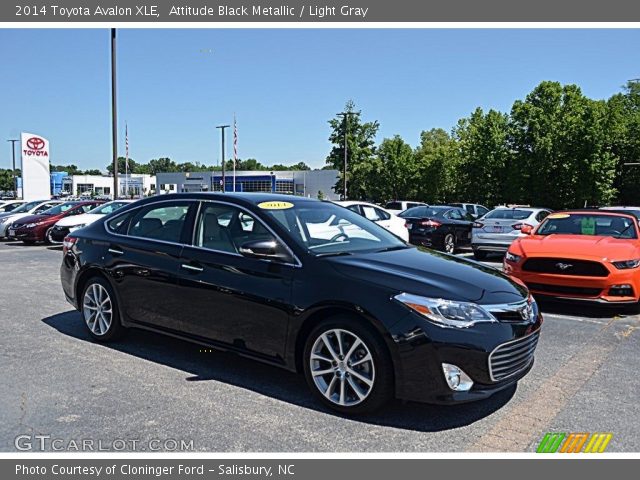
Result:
[{"x": 37, "y": 228}]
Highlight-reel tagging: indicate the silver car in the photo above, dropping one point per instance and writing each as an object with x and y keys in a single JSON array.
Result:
[{"x": 497, "y": 229}]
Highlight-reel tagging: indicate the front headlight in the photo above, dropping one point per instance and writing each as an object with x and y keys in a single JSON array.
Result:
[
  {"x": 512, "y": 257},
  {"x": 30, "y": 225},
  {"x": 446, "y": 313},
  {"x": 626, "y": 264}
]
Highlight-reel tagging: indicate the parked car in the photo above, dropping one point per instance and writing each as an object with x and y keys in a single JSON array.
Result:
[
  {"x": 586, "y": 255},
  {"x": 366, "y": 317},
  {"x": 37, "y": 228},
  {"x": 398, "y": 206},
  {"x": 632, "y": 210},
  {"x": 24, "y": 210},
  {"x": 497, "y": 229},
  {"x": 381, "y": 216},
  {"x": 10, "y": 205},
  {"x": 473, "y": 209},
  {"x": 73, "y": 222},
  {"x": 441, "y": 227}
]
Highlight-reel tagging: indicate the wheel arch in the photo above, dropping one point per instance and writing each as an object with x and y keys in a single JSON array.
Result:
[{"x": 327, "y": 311}]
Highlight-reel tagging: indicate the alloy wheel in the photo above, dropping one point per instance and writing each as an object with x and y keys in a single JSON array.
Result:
[
  {"x": 449, "y": 244},
  {"x": 342, "y": 367},
  {"x": 97, "y": 309}
]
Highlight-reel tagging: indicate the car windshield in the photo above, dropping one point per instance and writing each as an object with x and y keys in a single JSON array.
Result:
[
  {"x": 107, "y": 208},
  {"x": 587, "y": 224},
  {"x": 423, "y": 212},
  {"x": 26, "y": 207},
  {"x": 63, "y": 207},
  {"x": 508, "y": 214},
  {"x": 393, "y": 206},
  {"x": 323, "y": 228}
]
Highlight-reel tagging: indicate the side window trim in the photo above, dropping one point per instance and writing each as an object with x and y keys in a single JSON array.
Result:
[
  {"x": 297, "y": 262},
  {"x": 135, "y": 211}
]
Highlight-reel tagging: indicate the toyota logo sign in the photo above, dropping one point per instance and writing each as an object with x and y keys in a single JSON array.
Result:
[
  {"x": 35, "y": 143},
  {"x": 34, "y": 146}
]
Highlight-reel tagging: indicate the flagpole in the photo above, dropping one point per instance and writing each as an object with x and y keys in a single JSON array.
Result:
[
  {"x": 126, "y": 160},
  {"x": 235, "y": 150}
]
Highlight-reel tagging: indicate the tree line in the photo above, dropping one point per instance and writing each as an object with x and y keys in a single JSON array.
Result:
[{"x": 556, "y": 148}]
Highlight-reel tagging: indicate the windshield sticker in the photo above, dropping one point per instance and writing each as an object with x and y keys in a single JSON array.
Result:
[
  {"x": 275, "y": 205},
  {"x": 588, "y": 226},
  {"x": 558, "y": 215}
]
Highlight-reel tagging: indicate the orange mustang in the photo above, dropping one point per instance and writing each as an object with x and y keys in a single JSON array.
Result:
[{"x": 584, "y": 254}]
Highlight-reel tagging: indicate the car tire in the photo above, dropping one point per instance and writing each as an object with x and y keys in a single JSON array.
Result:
[
  {"x": 47, "y": 236},
  {"x": 99, "y": 309},
  {"x": 359, "y": 378},
  {"x": 449, "y": 243},
  {"x": 479, "y": 254}
]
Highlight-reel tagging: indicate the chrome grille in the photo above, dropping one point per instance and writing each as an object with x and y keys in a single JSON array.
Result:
[{"x": 512, "y": 357}]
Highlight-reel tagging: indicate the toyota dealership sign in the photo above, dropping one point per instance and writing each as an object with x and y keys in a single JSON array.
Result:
[{"x": 36, "y": 183}]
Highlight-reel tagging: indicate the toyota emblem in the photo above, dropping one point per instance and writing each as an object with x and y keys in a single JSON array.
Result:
[{"x": 35, "y": 143}]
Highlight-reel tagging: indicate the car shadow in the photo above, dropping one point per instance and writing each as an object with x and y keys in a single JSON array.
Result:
[
  {"x": 576, "y": 308},
  {"x": 202, "y": 364}
]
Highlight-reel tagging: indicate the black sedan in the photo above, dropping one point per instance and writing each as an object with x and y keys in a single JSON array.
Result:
[
  {"x": 441, "y": 227},
  {"x": 308, "y": 286}
]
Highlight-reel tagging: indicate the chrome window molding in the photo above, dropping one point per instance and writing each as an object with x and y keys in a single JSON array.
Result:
[{"x": 297, "y": 264}]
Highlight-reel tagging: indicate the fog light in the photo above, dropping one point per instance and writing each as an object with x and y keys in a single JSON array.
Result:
[
  {"x": 624, "y": 290},
  {"x": 456, "y": 378}
]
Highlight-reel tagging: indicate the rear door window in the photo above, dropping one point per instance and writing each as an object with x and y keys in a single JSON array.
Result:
[{"x": 160, "y": 222}]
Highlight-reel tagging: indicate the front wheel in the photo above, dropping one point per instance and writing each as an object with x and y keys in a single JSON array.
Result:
[
  {"x": 47, "y": 236},
  {"x": 100, "y": 310},
  {"x": 347, "y": 366}
]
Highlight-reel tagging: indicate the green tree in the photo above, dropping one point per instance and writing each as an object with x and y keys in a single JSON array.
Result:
[
  {"x": 70, "y": 169},
  {"x": 133, "y": 166},
  {"x": 436, "y": 167},
  {"x": 624, "y": 128},
  {"x": 163, "y": 164},
  {"x": 6, "y": 179},
  {"x": 484, "y": 158},
  {"x": 361, "y": 150},
  {"x": 559, "y": 141},
  {"x": 393, "y": 173}
]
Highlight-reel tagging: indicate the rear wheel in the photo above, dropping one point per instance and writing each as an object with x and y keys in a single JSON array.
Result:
[
  {"x": 99, "y": 310},
  {"x": 479, "y": 254},
  {"x": 449, "y": 243},
  {"x": 347, "y": 366}
]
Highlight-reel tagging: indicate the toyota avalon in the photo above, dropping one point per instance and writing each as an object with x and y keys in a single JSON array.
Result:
[{"x": 363, "y": 315}]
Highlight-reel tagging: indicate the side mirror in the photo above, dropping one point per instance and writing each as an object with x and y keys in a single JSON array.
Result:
[
  {"x": 527, "y": 229},
  {"x": 265, "y": 249}
]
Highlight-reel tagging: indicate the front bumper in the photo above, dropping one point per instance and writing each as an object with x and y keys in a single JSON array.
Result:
[
  {"x": 582, "y": 288},
  {"x": 423, "y": 348},
  {"x": 23, "y": 233}
]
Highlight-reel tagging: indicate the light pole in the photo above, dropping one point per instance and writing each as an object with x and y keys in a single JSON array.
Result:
[
  {"x": 13, "y": 155},
  {"x": 222, "y": 128},
  {"x": 114, "y": 114},
  {"x": 345, "y": 115}
]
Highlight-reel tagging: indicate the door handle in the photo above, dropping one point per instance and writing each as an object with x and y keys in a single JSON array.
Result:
[
  {"x": 115, "y": 251},
  {"x": 192, "y": 268}
]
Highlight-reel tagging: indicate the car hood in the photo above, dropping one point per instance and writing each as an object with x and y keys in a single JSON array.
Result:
[
  {"x": 35, "y": 219},
  {"x": 431, "y": 274},
  {"x": 578, "y": 246},
  {"x": 82, "y": 219}
]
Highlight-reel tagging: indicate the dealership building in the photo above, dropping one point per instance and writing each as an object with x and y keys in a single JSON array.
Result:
[
  {"x": 306, "y": 183},
  {"x": 137, "y": 185}
]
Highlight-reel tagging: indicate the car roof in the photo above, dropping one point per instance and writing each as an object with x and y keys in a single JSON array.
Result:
[
  {"x": 593, "y": 211},
  {"x": 244, "y": 197}
]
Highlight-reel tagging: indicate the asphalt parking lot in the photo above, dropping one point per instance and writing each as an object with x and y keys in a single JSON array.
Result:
[{"x": 57, "y": 382}]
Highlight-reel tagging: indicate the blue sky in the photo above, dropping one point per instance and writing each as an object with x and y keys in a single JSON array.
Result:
[{"x": 175, "y": 86}]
